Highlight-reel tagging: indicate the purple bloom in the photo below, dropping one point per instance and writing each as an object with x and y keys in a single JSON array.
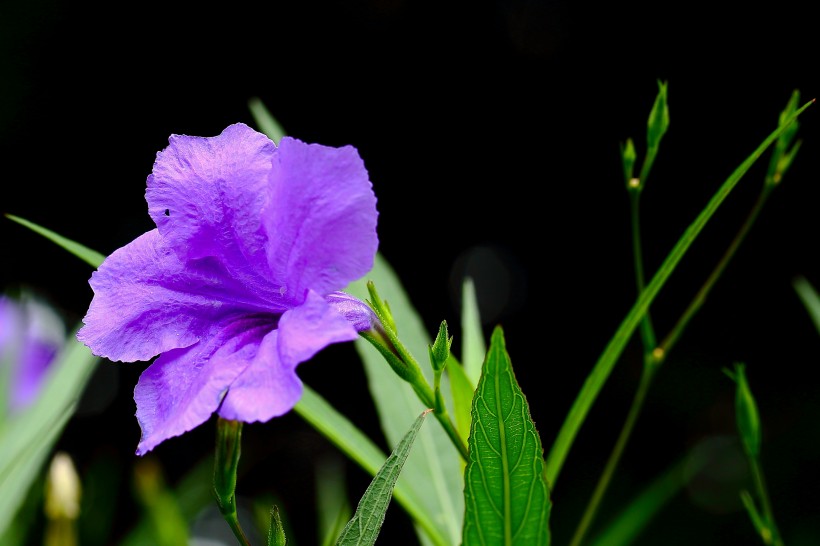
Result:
[
  {"x": 31, "y": 335},
  {"x": 239, "y": 282}
]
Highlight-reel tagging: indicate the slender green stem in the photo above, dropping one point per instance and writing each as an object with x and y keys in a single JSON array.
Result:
[
  {"x": 763, "y": 495},
  {"x": 428, "y": 398},
  {"x": 647, "y": 331},
  {"x": 699, "y": 299},
  {"x": 615, "y": 456}
]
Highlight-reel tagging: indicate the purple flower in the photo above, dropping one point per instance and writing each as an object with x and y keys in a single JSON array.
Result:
[
  {"x": 239, "y": 282},
  {"x": 31, "y": 335}
]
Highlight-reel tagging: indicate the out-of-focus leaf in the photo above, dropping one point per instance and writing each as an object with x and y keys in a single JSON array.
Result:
[
  {"x": 28, "y": 438},
  {"x": 359, "y": 448},
  {"x": 91, "y": 257},
  {"x": 266, "y": 122},
  {"x": 433, "y": 469},
  {"x": 506, "y": 494},
  {"x": 169, "y": 525},
  {"x": 473, "y": 346},
  {"x": 628, "y": 524},
  {"x": 364, "y": 527},
  {"x": 333, "y": 509},
  {"x": 463, "y": 390},
  {"x": 811, "y": 300}
]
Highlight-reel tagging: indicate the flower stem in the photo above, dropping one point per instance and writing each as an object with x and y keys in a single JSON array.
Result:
[
  {"x": 615, "y": 456},
  {"x": 226, "y": 461},
  {"x": 763, "y": 495},
  {"x": 699, "y": 299}
]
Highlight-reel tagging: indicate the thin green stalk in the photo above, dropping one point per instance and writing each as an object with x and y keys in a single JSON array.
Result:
[
  {"x": 609, "y": 357},
  {"x": 699, "y": 299},
  {"x": 614, "y": 457},
  {"x": 647, "y": 331},
  {"x": 763, "y": 495}
]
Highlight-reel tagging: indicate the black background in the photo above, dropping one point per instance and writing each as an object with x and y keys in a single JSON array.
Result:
[{"x": 490, "y": 130}]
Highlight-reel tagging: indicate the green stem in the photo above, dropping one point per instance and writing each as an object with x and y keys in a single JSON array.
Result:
[
  {"x": 615, "y": 456},
  {"x": 763, "y": 495},
  {"x": 647, "y": 332},
  {"x": 699, "y": 299}
]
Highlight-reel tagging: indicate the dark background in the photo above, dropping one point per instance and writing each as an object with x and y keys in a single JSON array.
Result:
[{"x": 491, "y": 133}]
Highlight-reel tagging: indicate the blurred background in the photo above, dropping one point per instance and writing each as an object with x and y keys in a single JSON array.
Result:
[{"x": 491, "y": 133}]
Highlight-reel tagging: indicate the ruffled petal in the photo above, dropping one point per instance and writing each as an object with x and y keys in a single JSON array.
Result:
[
  {"x": 321, "y": 219},
  {"x": 184, "y": 387},
  {"x": 206, "y": 195},
  {"x": 146, "y": 301},
  {"x": 269, "y": 387}
]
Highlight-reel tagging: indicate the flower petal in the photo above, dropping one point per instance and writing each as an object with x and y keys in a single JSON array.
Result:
[
  {"x": 321, "y": 218},
  {"x": 206, "y": 194},
  {"x": 146, "y": 301},
  {"x": 184, "y": 387},
  {"x": 269, "y": 387}
]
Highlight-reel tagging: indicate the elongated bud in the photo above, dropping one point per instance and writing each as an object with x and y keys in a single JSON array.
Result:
[
  {"x": 748, "y": 419},
  {"x": 658, "y": 121},
  {"x": 628, "y": 157},
  {"x": 226, "y": 461},
  {"x": 62, "y": 502}
]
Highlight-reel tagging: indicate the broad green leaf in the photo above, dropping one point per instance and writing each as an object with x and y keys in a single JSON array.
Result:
[
  {"x": 266, "y": 122},
  {"x": 91, "y": 257},
  {"x": 29, "y": 437},
  {"x": 612, "y": 352},
  {"x": 363, "y": 529},
  {"x": 433, "y": 469},
  {"x": 359, "y": 448},
  {"x": 506, "y": 494}
]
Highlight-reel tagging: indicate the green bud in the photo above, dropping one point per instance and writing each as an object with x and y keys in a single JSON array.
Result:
[
  {"x": 628, "y": 157},
  {"x": 226, "y": 461},
  {"x": 748, "y": 420},
  {"x": 440, "y": 350},
  {"x": 658, "y": 121}
]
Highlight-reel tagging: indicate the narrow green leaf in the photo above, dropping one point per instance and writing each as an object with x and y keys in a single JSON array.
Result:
[
  {"x": 360, "y": 449},
  {"x": 276, "y": 532},
  {"x": 758, "y": 521},
  {"x": 91, "y": 257},
  {"x": 810, "y": 299},
  {"x": 333, "y": 508},
  {"x": 168, "y": 523},
  {"x": 266, "y": 122},
  {"x": 630, "y": 522},
  {"x": 27, "y": 439},
  {"x": 363, "y": 529},
  {"x": 433, "y": 470},
  {"x": 506, "y": 495},
  {"x": 463, "y": 390},
  {"x": 473, "y": 346},
  {"x": 606, "y": 362}
]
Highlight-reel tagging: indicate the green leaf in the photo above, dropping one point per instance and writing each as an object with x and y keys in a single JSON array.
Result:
[
  {"x": 506, "y": 494},
  {"x": 28, "y": 438},
  {"x": 276, "y": 532},
  {"x": 628, "y": 524},
  {"x": 266, "y": 122},
  {"x": 168, "y": 523},
  {"x": 433, "y": 470},
  {"x": 91, "y": 257},
  {"x": 473, "y": 346},
  {"x": 463, "y": 390},
  {"x": 332, "y": 507},
  {"x": 360, "y": 449},
  {"x": 363, "y": 529},
  {"x": 606, "y": 362},
  {"x": 810, "y": 299}
]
